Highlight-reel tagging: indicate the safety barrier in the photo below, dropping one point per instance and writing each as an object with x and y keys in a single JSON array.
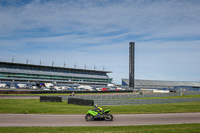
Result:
[
  {"x": 50, "y": 99},
  {"x": 128, "y": 96},
  {"x": 78, "y": 101},
  {"x": 128, "y": 99},
  {"x": 75, "y": 91},
  {"x": 14, "y": 92},
  {"x": 144, "y": 101}
]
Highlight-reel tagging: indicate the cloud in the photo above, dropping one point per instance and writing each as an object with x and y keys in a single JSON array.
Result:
[
  {"x": 89, "y": 16},
  {"x": 98, "y": 32}
]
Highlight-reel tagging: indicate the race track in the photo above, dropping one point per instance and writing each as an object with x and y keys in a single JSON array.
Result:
[{"x": 45, "y": 120}]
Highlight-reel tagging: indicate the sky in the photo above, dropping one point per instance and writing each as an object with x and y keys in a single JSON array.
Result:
[{"x": 96, "y": 34}]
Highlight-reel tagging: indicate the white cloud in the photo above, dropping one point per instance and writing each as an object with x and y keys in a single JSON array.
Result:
[{"x": 98, "y": 32}]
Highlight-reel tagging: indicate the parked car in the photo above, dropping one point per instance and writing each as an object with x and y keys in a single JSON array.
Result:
[{"x": 104, "y": 89}]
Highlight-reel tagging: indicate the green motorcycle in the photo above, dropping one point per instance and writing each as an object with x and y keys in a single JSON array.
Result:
[{"x": 93, "y": 115}]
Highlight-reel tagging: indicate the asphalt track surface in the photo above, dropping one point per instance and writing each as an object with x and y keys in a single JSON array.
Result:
[{"x": 45, "y": 120}]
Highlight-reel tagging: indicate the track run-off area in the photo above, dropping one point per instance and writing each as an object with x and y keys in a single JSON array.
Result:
[{"x": 50, "y": 120}]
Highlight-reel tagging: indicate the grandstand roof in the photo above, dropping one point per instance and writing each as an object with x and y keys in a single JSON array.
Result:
[{"x": 51, "y": 67}]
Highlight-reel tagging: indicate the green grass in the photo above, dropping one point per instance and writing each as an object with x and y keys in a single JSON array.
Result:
[
  {"x": 33, "y": 106},
  {"x": 177, "y": 128}
]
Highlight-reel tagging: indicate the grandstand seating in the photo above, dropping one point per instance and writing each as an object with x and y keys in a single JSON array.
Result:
[{"x": 50, "y": 73}]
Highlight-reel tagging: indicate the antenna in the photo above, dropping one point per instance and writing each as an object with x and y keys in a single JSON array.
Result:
[
  {"x": 64, "y": 64},
  {"x": 52, "y": 63},
  {"x": 103, "y": 68},
  {"x": 85, "y": 66},
  {"x": 94, "y": 67},
  {"x": 27, "y": 61},
  {"x": 13, "y": 59},
  {"x": 40, "y": 62},
  {"x": 75, "y": 65}
]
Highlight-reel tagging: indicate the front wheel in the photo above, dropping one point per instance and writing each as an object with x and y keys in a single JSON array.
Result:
[
  {"x": 89, "y": 117},
  {"x": 108, "y": 117}
]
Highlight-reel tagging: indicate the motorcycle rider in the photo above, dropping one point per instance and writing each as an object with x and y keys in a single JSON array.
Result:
[{"x": 98, "y": 109}]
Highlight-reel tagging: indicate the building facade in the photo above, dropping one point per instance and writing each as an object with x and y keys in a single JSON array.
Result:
[
  {"x": 18, "y": 72},
  {"x": 158, "y": 84}
]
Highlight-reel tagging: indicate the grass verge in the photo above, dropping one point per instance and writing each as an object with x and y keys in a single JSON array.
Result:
[
  {"x": 34, "y": 106},
  {"x": 177, "y": 128}
]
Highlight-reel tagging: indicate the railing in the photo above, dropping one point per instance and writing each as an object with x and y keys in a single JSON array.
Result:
[
  {"x": 128, "y": 96},
  {"x": 127, "y": 99},
  {"x": 144, "y": 101}
]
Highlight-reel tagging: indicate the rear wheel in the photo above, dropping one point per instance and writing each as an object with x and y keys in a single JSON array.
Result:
[
  {"x": 108, "y": 117},
  {"x": 89, "y": 117}
]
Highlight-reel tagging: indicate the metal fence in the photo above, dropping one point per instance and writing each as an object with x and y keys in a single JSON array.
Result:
[
  {"x": 128, "y": 99},
  {"x": 144, "y": 101},
  {"x": 128, "y": 96}
]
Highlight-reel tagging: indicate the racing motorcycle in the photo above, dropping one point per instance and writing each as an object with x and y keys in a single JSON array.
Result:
[{"x": 93, "y": 115}]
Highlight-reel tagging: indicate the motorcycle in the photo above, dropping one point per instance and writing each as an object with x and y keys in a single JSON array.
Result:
[{"x": 93, "y": 115}]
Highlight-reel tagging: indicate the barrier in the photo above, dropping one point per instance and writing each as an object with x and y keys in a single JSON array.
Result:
[
  {"x": 50, "y": 99},
  {"x": 128, "y": 96},
  {"x": 144, "y": 101},
  {"x": 129, "y": 99},
  {"x": 14, "y": 92},
  {"x": 78, "y": 101}
]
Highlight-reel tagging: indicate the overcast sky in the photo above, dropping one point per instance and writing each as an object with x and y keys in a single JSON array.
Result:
[{"x": 97, "y": 33}]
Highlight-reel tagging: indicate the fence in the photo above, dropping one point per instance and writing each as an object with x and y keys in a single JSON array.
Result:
[
  {"x": 78, "y": 101},
  {"x": 144, "y": 101},
  {"x": 128, "y": 96},
  {"x": 126, "y": 99}
]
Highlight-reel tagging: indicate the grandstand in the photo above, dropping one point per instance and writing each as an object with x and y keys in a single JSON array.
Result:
[
  {"x": 36, "y": 74},
  {"x": 157, "y": 84}
]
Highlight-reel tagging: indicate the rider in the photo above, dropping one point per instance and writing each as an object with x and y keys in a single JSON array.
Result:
[{"x": 98, "y": 109}]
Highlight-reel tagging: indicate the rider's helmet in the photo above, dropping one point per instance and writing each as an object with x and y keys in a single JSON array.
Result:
[{"x": 96, "y": 106}]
